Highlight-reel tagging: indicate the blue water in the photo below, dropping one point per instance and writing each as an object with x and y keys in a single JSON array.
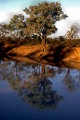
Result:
[{"x": 28, "y": 93}]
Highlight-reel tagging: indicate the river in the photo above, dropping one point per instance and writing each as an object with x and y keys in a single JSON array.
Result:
[{"x": 33, "y": 91}]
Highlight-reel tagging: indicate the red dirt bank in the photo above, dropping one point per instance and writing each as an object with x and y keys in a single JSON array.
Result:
[{"x": 68, "y": 56}]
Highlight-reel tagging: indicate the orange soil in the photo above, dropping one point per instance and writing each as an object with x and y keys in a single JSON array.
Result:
[
  {"x": 35, "y": 51},
  {"x": 71, "y": 55},
  {"x": 24, "y": 50}
]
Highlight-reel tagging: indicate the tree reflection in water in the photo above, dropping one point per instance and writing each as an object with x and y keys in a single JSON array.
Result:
[
  {"x": 40, "y": 93},
  {"x": 32, "y": 81},
  {"x": 71, "y": 82}
]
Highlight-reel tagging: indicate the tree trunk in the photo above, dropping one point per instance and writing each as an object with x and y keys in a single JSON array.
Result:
[{"x": 43, "y": 42}]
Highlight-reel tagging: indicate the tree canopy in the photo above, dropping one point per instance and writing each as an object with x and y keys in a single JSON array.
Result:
[
  {"x": 73, "y": 31},
  {"x": 42, "y": 18},
  {"x": 17, "y": 24},
  {"x": 40, "y": 21}
]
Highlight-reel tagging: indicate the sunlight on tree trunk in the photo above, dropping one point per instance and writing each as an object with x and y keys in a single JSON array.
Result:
[
  {"x": 42, "y": 19},
  {"x": 44, "y": 43}
]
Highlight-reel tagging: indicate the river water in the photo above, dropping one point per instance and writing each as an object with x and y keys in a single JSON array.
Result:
[{"x": 32, "y": 91}]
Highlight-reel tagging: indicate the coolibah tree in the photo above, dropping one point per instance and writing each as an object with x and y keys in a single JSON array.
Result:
[
  {"x": 16, "y": 25},
  {"x": 73, "y": 31},
  {"x": 42, "y": 19},
  {"x": 3, "y": 29}
]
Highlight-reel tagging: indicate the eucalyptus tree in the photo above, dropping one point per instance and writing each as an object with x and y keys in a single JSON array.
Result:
[
  {"x": 16, "y": 25},
  {"x": 0, "y": 30},
  {"x": 73, "y": 31},
  {"x": 3, "y": 29},
  {"x": 42, "y": 19}
]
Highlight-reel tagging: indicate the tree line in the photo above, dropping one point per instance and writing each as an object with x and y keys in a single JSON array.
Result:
[{"x": 39, "y": 23}]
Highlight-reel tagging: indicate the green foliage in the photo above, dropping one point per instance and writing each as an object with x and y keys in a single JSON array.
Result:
[
  {"x": 72, "y": 33},
  {"x": 3, "y": 29},
  {"x": 17, "y": 22},
  {"x": 64, "y": 42},
  {"x": 41, "y": 20},
  {"x": 43, "y": 17},
  {"x": 16, "y": 26}
]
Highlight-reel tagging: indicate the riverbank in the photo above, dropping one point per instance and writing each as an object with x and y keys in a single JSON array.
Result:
[
  {"x": 51, "y": 53},
  {"x": 55, "y": 56}
]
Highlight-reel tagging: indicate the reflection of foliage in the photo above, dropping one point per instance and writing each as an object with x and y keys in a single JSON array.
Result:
[
  {"x": 50, "y": 72},
  {"x": 70, "y": 82},
  {"x": 41, "y": 95},
  {"x": 36, "y": 91},
  {"x": 33, "y": 84}
]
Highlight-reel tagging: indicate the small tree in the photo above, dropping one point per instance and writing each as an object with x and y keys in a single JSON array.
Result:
[
  {"x": 42, "y": 19},
  {"x": 72, "y": 33},
  {"x": 3, "y": 30},
  {"x": 16, "y": 25}
]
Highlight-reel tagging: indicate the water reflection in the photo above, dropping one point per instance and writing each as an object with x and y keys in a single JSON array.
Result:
[
  {"x": 34, "y": 82},
  {"x": 40, "y": 92},
  {"x": 71, "y": 82}
]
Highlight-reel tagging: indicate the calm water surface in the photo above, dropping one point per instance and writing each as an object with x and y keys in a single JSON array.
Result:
[{"x": 38, "y": 92}]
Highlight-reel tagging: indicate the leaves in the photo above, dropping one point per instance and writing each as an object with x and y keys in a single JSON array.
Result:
[
  {"x": 43, "y": 16},
  {"x": 16, "y": 25},
  {"x": 72, "y": 33}
]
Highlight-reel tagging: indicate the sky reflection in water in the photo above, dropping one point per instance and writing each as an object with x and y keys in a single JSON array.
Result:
[{"x": 37, "y": 92}]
